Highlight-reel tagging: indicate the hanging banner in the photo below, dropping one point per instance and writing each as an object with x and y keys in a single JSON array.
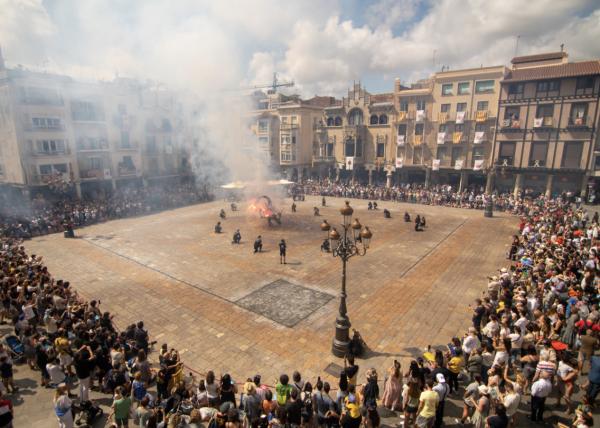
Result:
[
  {"x": 349, "y": 163},
  {"x": 457, "y": 137},
  {"x": 420, "y": 115},
  {"x": 460, "y": 117},
  {"x": 399, "y": 162},
  {"x": 441, "y": 137},
  {"x": 538, "y": 122},
  {"x": 400, "y": 140},
  {"x": 478, "y": 137},
  {"x": 478, "y": 165},
  {"x": 435, "y": 165},
  {"x": 458, "y": 164}
]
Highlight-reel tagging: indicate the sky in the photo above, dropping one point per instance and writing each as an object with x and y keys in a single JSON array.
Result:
[{"x": 322, "y": 45}]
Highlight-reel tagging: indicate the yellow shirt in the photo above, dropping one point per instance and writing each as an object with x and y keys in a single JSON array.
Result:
[
  {"x": 430, "y": 401},
  {"x": 455, "y": 364}
]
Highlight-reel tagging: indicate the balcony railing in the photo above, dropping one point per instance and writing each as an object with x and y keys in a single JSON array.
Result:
[
  {"x": 510, "y": 125},
  {"x": 541, "y": 123},
  {"x": 91, "y": 174},
  {"x": 57, "y": 128},
  {"x": 130, "y": 146},
  {"x": 505, "y": 161},
  {"x": 579, "y": 122},
  {"x": 445, "y": 116},
  {"x": 57, "y": 153},
  {"x": 127, "y": 172},
  {"x": 537, "y": 163},
  {"x": 97, "y": 147},
  {"x": 323, "y": 159},
  {"x": 51, "y": 178},
  {"x": 288, "y": 126}
]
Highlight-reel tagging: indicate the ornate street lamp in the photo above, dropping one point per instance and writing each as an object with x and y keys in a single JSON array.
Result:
[{"x": 354, "y": 241}]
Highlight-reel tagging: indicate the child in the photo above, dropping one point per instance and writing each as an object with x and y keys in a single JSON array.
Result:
[{"x": 6, "y": 371}]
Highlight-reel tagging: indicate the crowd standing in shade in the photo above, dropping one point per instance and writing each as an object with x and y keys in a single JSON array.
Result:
[
  {"x": 44, "y": 216},
  {"x": 534, "y": 335}
]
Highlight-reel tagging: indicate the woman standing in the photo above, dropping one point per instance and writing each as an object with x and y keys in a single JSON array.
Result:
[
  {"x": 410, "y": 401},
  {"x": 62, "y": 407},
  {"x": 482, "y": 407},
  {"x": 393, "y": 388}
]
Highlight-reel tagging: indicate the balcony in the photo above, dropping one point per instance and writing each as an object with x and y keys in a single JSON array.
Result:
[
  {"x": 55, "y": 128},
  {"x": 323, "y": 159},
  {"x": 127, "y": 147},
  {"x": 127, "y": 171},
  {"x": 510, "y": 125},
  {"x": 93, "y": 174},
  {"x": 583, "y": 123},
  {"x": 505, "y": 161},
  {"x": 56, "y": 178},
  {"x": 444, "y": 117},
  {"x": 481, "y": 115},
  {"x": 543, "y": 124},
  {"x": 50, "y": 153},
  {"x": 288, "y": 126},
  {"x": 537, "y": 163},
  {"x": 95, "y": 146}
]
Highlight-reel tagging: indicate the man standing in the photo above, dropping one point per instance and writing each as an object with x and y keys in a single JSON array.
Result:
[
  {"x": 282, "y": 250},
  {"x": 258, "y": 244},
  {"x": 442, "y": 389},
  {"x": 594, "y": 380},
  {"x": 540, "y": 389},
  {"x": 428, "y": 402}
]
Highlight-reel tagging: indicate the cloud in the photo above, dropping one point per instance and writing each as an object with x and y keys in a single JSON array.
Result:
[{"x": 391, "y": 13}]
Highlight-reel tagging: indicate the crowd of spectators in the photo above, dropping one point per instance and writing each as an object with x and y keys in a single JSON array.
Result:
[
  {"x": 44, "y": 215},
  {"x": 533, "y": 336}
]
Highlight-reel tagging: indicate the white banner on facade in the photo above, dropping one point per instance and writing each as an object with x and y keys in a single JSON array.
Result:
[
  {"x": 107, "y": 174},
  {"x": 349, "y": 163},
  {"x": 478, "y": 137},
  {"x": 441, "y": 137},
  {"x": 400, "y": 140},
  {"x": 538, "y": 122},
  {"x": 460, "y": 117},
  {"x": 478, "y": 165},
  {"x": 399, "y": 162},
  {"x": 458, "y": 164},
  {"x": 435, "y": 165},
  {"x": 420, "y": 115}
]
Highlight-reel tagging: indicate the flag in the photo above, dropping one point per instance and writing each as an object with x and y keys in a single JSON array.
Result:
[
  {"x": 460, "y": 117},
  {"x": 441, "y": 137},
  {"x": 478, "y": 165},
  {"x": 349, "y": 163},
  {"x": 456, "y": 137},
  {"x": 420, "y": 115},
  {"x": 443, "y": 117},
  {"x": 458, "y": 164},
  {"x": 478, "y": 137},
  {"x": 481, "y": 116},
  {"x": 538, "y": 122},
  {"x": 400, "y": 139},
  {"x": 401, "y": 115},
  {"x": 399, "y": 162},
  {"x": 418, "y": 140},
  {"x": 435, "y": 165}
]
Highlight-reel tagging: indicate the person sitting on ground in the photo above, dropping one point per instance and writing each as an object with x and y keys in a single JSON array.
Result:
[
  {"x": 418, "y": 223},
  {"x": 325, "y": 246},
  {"x": 237, "y": 237},
  {"x": 370, "y": 205},
  {"x": 218, "y": 228},
  {"x": 407, "y": 217},
  {"x": 316, "y": 211},
  {"x": 387, "y": 213},
  {"x": 233, "y": 206},
  {"x": 423, "y": 222},
  {"x": 222, "y": 214},
  {"x": 374, "y": 205},
  {"x": 258, "y": 244}
]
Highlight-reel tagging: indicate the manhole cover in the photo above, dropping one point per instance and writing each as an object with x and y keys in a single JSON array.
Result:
[{"x": 284, "y": 302}]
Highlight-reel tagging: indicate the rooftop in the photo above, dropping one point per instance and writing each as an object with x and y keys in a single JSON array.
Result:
[
  {"x": 573, "y": 69},
  {"x": 538, "y": 57}
]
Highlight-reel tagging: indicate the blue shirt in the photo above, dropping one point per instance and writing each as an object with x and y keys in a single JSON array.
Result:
[{"x": 594, "y": 375}]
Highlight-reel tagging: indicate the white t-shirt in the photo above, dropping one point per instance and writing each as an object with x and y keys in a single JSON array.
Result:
[
  {"x": 511, "y": 402},
  {"x": 521, "y": 323},
  {"x": 516, "y": 340},
  {"x": 563, "y": 369},
  {"x": 28, "y": 312},
  {"x": 56, "y": 374},
  {"x": 470, "y": 343}
]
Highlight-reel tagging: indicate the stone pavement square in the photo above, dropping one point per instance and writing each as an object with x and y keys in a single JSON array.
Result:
[{"x": 284, "y": 302}]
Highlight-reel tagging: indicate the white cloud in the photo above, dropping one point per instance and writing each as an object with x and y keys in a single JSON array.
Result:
[{"x": 391, "y": 13}]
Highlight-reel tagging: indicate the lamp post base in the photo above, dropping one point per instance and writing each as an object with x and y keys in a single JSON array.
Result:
[{"x": 341, "y": 342}]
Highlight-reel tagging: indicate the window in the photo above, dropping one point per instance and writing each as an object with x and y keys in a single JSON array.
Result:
[
  {"x": 459, "y": 127},
  {"x": 127, "y": 163},
  {"x": 286, "y": 156},
  {"x": 263, "y": 125},
  {"x": 46, "y": 123},
  {"x": 383, "y": 119},
  {"x": 45, "y": 169},
  {"x": 403, "y": 105},
  {"x": 380, "y": 150},
  {"x": 285, "y": 139},
  {"x": 40, "y": 96},
  {"x": 516, "y": 88},
  {"x": 329, "y": 149},
  {"x": 585, "y": 83},
  {"x": 355, "y": 117},
  {"x": 125, "y": 139},
  {"x": 349, "y": 147},
  {"x": 512, "y": 113},
  {"x": 544, "y": 110},
  {"x": 85, "y": 110},
  {"x": 263, "y": 141},
  {"x": 537, "y": 155},
  {"x": 293, "y": 139},
  {"x": 578, "y": 114},
  {"x": 441, "y": 154},
  {"x": 546, "y": 86},
  {"x": 484, "y": 86},
  {"x": 151, "y": 143},
  {"x": 572, "y": 154},
  {"x": 445, "y": 108},
  {"x": 50, "y": 147},
  {"x": 359, "y": 147},
  {"x": 443, "y": 127},
  {"x": 419, "y": 127},
  {"x": 456, "y": 154},
  {"x": 330, "y": 121},
  {"x": 507, "y": 153},
  {"x": 402, "y": 129},
  {"x": 463, "y": 88},
  {"x": 447, "y": 89},
  {"x": 420, "y": 104},
  {"x": 482, "y": 105},
  {"x": 373, "y": 120},
  {"x": 294, "y": 120},
  {"x": 95, "y": 163},
  {"x": 338, "y": 121},
  {"x": 478, "y": 153},
  {"x": 461, "y": 107},
  {"x": 480, "y": 127}
]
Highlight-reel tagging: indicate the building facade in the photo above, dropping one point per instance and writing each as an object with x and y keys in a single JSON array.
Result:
[
  {"x": 546, "y": 132},
  {"x": 58, "y": 132}
]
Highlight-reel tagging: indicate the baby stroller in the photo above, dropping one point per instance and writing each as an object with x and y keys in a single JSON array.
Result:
[
  {"x": 87, "y": 413},
  {"x": 17, "y": 352}
]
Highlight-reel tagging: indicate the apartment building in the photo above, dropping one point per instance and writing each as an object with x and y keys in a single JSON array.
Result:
[
  {"x": 358, "y": 136},
  {"x": 85, "y": 137},
  {"x": 546, "y": 138}
]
